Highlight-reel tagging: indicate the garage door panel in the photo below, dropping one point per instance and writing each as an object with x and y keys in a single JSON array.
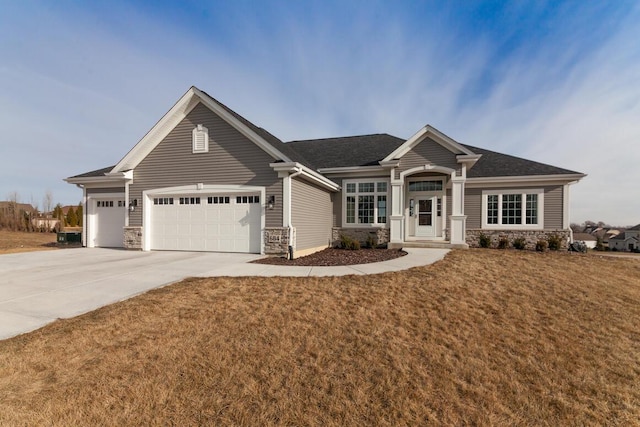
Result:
[
  {"x": 212, "y": 225},
  {"x": 109, "y": 222}
]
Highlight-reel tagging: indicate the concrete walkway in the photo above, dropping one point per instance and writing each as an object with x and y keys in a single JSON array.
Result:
[{"x": 37, "y": 288}]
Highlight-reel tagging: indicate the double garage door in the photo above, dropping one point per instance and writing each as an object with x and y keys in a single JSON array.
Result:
[{"x": 215, "y": 222}]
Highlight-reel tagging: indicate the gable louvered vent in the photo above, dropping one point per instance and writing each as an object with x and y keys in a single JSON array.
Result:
[{"x": 200, "y": 139}]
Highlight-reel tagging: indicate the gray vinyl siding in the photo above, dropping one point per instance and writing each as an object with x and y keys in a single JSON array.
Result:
[
  {"x": 91, "y": 191},
  {"x": 232, "y": 160},
  {"x": 449, "y": 209},
  {"x": 427, "y": 151},
  {"x": 311, "y": 210},
  {"x": 553, "y": 206},
  {"x": 473, "y": 207}
]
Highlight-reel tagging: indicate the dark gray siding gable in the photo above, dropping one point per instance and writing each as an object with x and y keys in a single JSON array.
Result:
[
  {"x": 311, "y": 210},
  {"x": 427, "y": 151},
  {"x": 232, "y": 159}
]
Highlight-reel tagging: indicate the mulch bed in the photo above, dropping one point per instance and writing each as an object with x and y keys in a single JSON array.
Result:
[{"x": 332, "y": 257}]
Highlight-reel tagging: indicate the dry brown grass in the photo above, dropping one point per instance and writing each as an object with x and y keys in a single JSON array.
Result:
[
  {"x": 484, "y": 337},
  {"x": 20, "y": 241}
]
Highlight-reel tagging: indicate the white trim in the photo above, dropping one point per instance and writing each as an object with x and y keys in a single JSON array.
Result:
[
  {"x": 375, "y": 195},
  {"x": 147, "y": 202},
  {"x": 565, "y": 207},
  {"x": 175, "y": 115},
  {"x": 428, "y": 131},
  {"x": 559, "y": 179},
  {"x": 291, "y": 167},
  {"x": 89, "y": 226},
  {"x": 427, "y": 168},
  {"x": 524, "y": 225},
  {"x": 351, "y": 169},
  {"x": 199, "y": 130}
]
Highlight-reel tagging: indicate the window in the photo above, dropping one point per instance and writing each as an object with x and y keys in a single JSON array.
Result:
[
  {"x": 163, "y": 201},
  {"x": 365, "y": 202},
  {"x": 425, "y": 185},
  {"x": 189, "y": 200},
  {"x": 218, "y": 200},
  {"x": 512, "y": 209},
  {"x": 200, "y": 137},
  {"x": 247, "y": 199}
]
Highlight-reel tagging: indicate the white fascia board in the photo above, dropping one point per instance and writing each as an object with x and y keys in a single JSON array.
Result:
[
  {"x": 353, "y": 169},
  {"x": 525, "y": 179},
  {"x": 292, "y": 167},
  {"x": 428, "y": 131},
  {"x": 241, "y": 127},
  {"x": 158, "y": 132},
  {"x": 175, "y": 115},
  {"x": 95, "y": 181}
]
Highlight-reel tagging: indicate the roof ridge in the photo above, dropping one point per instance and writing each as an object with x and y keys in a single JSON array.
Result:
[{"x": 344, "y": 137}]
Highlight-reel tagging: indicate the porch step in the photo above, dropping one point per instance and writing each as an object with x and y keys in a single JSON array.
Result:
[{"x": 431, "y": 245}]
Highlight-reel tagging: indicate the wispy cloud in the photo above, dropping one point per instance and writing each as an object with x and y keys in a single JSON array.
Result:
[{"x": 557, "y": 83}]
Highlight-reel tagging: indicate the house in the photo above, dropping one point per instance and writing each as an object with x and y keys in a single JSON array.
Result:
[
  {"x": 628, "y": 240},
  {"x": 205, "y": 178}
]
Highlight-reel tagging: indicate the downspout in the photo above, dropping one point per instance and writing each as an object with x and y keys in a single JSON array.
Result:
[{"x": 297, "y": 172}]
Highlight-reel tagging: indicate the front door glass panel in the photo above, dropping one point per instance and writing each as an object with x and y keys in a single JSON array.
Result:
[{"x": 425, "y": 212}]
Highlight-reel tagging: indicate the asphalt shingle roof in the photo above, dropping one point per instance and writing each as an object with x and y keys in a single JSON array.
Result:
[
  {"x": 97, "y": 172},
  {"x": 497, "y": 164},
  {"x": 363, "y": 150}
]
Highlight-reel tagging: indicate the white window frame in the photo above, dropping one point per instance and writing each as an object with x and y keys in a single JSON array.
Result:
[
  {"x": 198, "y": 131},
  {"x": 523, "y": 193},
  {"x": 375, "y": 195}
]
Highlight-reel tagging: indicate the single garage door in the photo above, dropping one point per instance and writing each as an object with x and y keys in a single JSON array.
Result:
[
  {"x": 109, "y": 222},
  {"x": 213, "y": 223}
]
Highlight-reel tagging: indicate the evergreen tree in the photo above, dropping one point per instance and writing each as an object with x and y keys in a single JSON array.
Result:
[
  {"x": 72, "y": 219},
  {"x": 79, "y": 214}
]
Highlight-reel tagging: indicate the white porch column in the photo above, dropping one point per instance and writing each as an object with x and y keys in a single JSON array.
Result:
[
  {"x": 458, "y": 219},
  {"x": 396, "y": 225}
]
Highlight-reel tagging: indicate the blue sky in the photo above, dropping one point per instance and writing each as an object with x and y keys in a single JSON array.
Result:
[{"x": 556, "y": 82}]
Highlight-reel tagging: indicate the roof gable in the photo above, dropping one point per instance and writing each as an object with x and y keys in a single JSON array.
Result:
[
  {"x": 269, "y": 143},
  {"x": 432, "y": 134}
]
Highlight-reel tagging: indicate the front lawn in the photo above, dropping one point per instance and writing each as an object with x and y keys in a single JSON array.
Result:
[
  {"x": 484, "y": 337},
  {"x": 20, "y": 241}
]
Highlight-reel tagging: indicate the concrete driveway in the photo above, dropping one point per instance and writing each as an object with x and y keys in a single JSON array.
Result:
[{"x": 37, "y": 288}]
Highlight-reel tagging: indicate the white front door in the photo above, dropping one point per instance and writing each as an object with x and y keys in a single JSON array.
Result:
[{"x": 425, "y": 216}]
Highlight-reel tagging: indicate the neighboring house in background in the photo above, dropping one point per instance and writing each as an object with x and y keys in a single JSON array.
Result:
[
  {"x": 8, "y": 208},
  {"x": 589, "y": 240},
  {"x": 206, "y": 179},
  {"x": 629, "y": 240}
]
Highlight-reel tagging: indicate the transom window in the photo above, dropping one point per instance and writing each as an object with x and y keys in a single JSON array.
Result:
[
  {"x": 430, "y": 185},
  {"x": 365, "y": 202},
  {"x": 513, "y": 209}
]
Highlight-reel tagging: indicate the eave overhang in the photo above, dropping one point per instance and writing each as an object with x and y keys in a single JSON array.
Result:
[{"x": 285, "y": 168}]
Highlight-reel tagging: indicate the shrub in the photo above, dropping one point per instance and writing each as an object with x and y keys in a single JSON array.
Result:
[
  {"x": 541, "y": 245},
  {"x": 503, "y": 243},
  {"x": 554, "y": 242},
  {"x": 348, "y": 243},
  {"x": 484, "y": 241},
  {"x": 599, "y": 244},
  {"x": 519, "y": 243},
  {"x": 371, "y": 242}
]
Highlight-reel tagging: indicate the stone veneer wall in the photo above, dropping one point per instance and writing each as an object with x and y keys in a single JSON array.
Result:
[
  {"x": 133, "y": 238},
  {"x": 381, "y": 235},
  {"x": 531, "y": 237},
  {"x": 276, "y": 240}
]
